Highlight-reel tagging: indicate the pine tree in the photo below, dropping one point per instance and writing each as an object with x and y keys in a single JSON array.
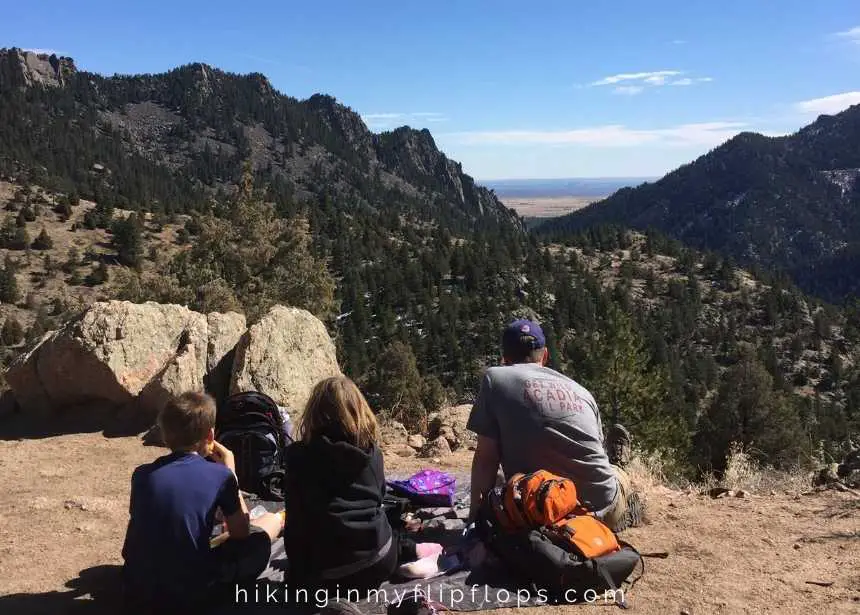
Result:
[
  {"x": 43, "y": 241},
  {"x": 9, "y": 292},
  {"x": 128, "y": 240},
  {"x": 396, "y": 386},
  {"x": 628, "y": 388},
  {"x": 73, "y": 260},
  {"x": 21, "y": 239},
  {"x": 747, "y": 411},
  {"x": 12, "y": 332},
  {"x": 261, "y": 258},
  {"x": 97, "y": 276}
]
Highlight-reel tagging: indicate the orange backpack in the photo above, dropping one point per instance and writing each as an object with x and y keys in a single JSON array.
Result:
[
  {"x": 536, "y": 526},
  {"x": 542, "y": 500},
  {"x": 536, "y": 499},
  {"x": 588, "y": 534}
]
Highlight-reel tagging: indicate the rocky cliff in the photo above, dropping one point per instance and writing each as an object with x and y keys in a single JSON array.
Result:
[{"x": 27, "y": 68}]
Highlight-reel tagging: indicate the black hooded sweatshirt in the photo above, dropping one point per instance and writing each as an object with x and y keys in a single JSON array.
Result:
[{"x": 336, "y": 525}]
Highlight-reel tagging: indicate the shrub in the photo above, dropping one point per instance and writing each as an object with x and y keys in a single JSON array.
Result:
[
  {"x": 43, "y": 241},
  {"x": 12, "y": 332}
]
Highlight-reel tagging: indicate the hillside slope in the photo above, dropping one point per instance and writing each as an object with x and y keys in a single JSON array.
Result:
[{"x": 788, "y": 203}]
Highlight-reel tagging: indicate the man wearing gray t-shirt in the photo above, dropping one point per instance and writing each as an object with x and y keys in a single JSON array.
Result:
[{"x": 529, "y": 417}]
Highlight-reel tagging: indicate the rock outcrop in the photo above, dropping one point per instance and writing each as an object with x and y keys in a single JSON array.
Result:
[
  {"x": 437, "y": 448},
  {"x": 33, "y": 68},
  {"x": 111, "y": 353},
  {"x": 450, "y": 423},
  {"x": 284, "y": 355},
  {"x": 135, "y": 356}
]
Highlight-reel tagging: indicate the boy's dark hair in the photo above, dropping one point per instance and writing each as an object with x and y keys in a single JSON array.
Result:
[{"x": 185, "y": 420}]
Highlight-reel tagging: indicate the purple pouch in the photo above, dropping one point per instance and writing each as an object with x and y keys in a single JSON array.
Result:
[{"x": 427, "y": 488}]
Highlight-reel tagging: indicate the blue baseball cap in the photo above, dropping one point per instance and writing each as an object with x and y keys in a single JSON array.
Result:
[{"x": 522, "y": 336}]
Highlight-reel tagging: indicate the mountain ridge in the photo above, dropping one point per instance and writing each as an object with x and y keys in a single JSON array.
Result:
[
  {"x": 203, "y": 116},
  {"x": 789, "y": 203}
]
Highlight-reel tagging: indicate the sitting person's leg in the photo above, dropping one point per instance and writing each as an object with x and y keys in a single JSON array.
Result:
[
  {"x": 627, "y": 510},
  {"x": 242, "y": 561},
  {"x": 418, "y": 560},
  {"x": 271, "y": 523}
]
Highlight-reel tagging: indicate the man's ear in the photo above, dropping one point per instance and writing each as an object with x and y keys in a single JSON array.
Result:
[
  {"x": 545, "y": 358},
  {"x": 210, "y": 437}
]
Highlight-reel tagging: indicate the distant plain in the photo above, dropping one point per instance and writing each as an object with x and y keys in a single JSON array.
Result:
[
  {"x": 548, "y": 206},
  {"x": 546, "y": 198}
]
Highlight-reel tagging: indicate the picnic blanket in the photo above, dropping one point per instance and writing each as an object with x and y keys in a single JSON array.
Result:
[{"x": 482, "y": 589}]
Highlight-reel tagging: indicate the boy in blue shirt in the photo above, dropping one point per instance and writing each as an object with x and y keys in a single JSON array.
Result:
[{"x": 168, "y": 561}]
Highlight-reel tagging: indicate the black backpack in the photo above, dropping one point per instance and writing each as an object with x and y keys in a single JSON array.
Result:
[
  {"x": 251, "y": 425},
  {"x": 542, "y": 562}
]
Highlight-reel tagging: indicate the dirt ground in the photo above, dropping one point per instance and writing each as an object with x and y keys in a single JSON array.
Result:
[{"x": 64, "y": 500}]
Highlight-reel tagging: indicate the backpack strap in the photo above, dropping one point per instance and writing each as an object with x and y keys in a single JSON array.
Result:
[
  {"x": 627, "y": 545},
  {"x": 604, "y": 574}
]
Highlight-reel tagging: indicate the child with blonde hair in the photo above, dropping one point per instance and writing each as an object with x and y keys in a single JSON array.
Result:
[{"x": 338, "y": 534}]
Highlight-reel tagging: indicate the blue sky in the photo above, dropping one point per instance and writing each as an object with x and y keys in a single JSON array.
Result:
[{"x": 511, "y": 89}]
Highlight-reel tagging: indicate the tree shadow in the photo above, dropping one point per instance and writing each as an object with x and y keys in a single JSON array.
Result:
[{"x": 94, "y": 591}]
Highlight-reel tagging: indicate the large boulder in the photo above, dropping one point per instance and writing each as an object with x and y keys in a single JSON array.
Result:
[
  {"x": 284, "y": 356},
  {"x": 225, "y": 331},
  {"x": 181, "y": 374},
  {"x": 109, "y": 355}
]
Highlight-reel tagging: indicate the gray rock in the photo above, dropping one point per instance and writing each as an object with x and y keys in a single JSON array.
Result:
[
  {"x": 450, "y": 423},
  {"x": 109, "y": 355},
  {"x": 432, "y": 513},
  {"x": 447, "y": 525},
  {"x": 437, "y": 449},
  {"x": 392, "y": 433},
  {"x": 284, "y": 356},
  {"x": 416, "y": 441},
  {"x": 827, "y": 475}
]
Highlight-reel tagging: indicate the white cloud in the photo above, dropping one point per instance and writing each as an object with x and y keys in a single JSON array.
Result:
[
  {"x": 653, "y": 75},
  {"x": 678, "y": 41},
  {"x": 707, "y": 134},
  {"x": 635, "y": 83},
  {"x": 629, "y": 90},
  {"x": 828, "y": 105},
  {"x": 852, "y": 35},
  {"x": 688, "y": 81},
  {"x": 382, "y": 116},
  {"x": 383, "y": 121}
]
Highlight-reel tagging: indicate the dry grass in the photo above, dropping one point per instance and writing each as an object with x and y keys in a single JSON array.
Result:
[
  {"x": 744, "y": 473},
  {"x": 655, "y": 472}
]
